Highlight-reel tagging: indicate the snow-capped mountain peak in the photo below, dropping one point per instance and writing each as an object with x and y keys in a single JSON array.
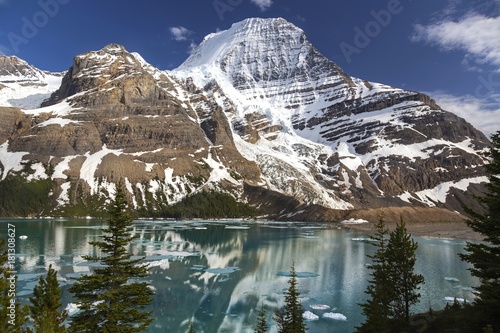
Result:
[
  {"x": 258, "y": 52},
  {"x": 256, "y": 110},
  {"x": 356, "y": 134}
]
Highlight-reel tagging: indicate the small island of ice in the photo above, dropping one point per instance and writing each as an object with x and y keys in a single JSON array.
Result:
[
  {"x": 308, "y": 315},
  {"x": 335, "y": 316}
]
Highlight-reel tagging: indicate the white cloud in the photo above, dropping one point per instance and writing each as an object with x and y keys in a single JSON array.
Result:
[
  {"x": 477, "y": 35},
  {"x": 180, "y": 33},
  {"x": 263, "y": 4},
  {"x": 479, "y": 112}
]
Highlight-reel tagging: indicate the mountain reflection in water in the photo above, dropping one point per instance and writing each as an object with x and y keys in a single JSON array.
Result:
[{"x": 219, "y": 273}]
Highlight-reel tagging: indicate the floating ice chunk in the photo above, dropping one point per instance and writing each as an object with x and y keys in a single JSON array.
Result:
[
  {"x": 334, "y": 316},
  {"x": 227, "y": 270},
  {"x": 363, "y": 239},
  {"x": 308, "y": 315},
  {"x": 237, "y": 227},
  {"x": 319, "y": 306},
  {"x": 163, "y": 263},
  {"x": 354, "y": 221},
  {"x": 197, "y": 267},
  {"x": 72, "y": 308},
  {"x": 452, "y": 299},
  {"x": 451, "y": 279},
  {"x": 302, "y": 275}
]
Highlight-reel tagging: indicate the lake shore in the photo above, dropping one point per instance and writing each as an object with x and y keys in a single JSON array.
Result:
[{"x": 454, "y": 230}]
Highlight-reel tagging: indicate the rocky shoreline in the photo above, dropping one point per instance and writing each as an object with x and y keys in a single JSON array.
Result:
[{"x": 454, "y": 230}]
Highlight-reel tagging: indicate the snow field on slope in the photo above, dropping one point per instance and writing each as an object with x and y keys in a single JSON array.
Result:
[
  {"x": 17, "y": 94},
  {"x": 11, "y": 161},
  {"x": 439, "y": 193}
]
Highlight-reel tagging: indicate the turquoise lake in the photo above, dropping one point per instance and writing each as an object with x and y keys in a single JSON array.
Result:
[{"x": 219, "y": 273}]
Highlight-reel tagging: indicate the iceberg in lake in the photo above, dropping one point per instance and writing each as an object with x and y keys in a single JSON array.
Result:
[
  {"x": 162, "y": 263},
  {"x": 319, "y": 306},
  {"x": 451, "y": 279},
  {"x": 72, "y": 308},
  {"x": 334, "y": 316},
  {"x": 198, "y": 267},
  {"x": 452, "y": 299},
  {"x": 226, "y": 270},
  {"x": 308, "y": 315},
  {"x": 237, "y": 227}
]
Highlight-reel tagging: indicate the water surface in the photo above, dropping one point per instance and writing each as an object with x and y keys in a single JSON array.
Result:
[{"x": 219, "y": 273}]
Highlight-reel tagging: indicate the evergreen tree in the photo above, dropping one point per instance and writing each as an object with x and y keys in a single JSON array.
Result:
[
  {"x": 46, "y": 301},
  {"x": 380, "y": 288},
  {"x": 393, "y": 287},
  {"x": 289, "y": 319},
  {"x": 12, "y": 315},
  {"x": 110, "y": 300},
  {"x": 485, "y": 257},
  {"x": 401, "y": 258},
  {"x": 261, "y": 321}
]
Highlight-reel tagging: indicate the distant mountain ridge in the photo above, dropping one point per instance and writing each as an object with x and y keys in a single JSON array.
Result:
[{"x": 255, "y": 111}]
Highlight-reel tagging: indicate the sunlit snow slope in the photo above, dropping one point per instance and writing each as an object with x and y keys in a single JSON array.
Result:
[
  {"x": 24, "y": 86},
  {"x": 313, "y": 129}
]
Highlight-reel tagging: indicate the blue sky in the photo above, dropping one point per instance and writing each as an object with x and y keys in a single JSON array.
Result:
[{"x": 449, "y": 49}]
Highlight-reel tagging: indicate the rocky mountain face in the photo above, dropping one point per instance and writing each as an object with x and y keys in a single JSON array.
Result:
[{"x": 255, "y": 111}]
